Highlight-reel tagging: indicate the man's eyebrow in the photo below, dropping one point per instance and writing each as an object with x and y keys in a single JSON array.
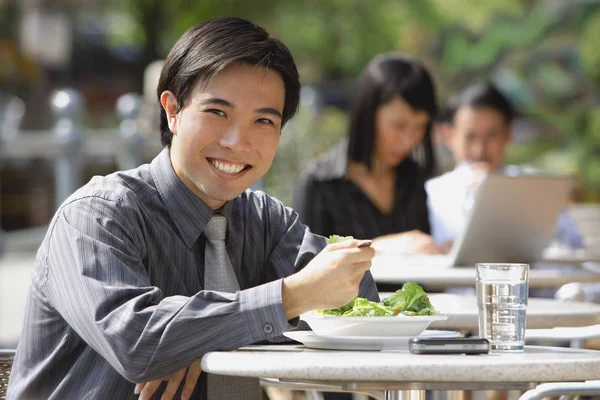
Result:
[
  {"x": 217, "y": 101},
  {"x": 226, "y": 103},
  {"x": 269, "y": 110}
]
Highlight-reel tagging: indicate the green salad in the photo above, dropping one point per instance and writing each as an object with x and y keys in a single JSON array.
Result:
[
  {"x": 411, "y": 300},
  {"x": 338, "y": 238}
]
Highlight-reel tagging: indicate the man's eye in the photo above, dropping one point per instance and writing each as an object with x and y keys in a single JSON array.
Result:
[
  {"x": 216, "y": 112},
  {"x": 264, "y": 121}
]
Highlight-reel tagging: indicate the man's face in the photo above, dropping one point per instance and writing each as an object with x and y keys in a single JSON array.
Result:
[
  {"x": 226, "y": 135},
  {"x": 479, "y": 135}
]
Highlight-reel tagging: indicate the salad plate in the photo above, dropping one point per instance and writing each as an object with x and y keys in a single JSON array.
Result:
[
  {"x": 374, "y": 343},
  {"x": 406, "y": 312},
  {"x": 381, "y": 326}
]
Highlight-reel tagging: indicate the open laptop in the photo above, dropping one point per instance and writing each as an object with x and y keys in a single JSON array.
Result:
[{"x": 512, "y": 220}]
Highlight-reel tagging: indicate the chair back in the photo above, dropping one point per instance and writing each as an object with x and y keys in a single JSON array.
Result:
[
  {"x": 587, "y": 219},
  {"x": 6, "y": 359}
]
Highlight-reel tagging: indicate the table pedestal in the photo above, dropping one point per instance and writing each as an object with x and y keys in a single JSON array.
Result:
[{"x": 404, "y": 395}]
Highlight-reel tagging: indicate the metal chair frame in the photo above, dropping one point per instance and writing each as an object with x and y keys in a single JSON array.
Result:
[
  {"x": 587, "y": 388},
  {"x": 6, "y": 358}
]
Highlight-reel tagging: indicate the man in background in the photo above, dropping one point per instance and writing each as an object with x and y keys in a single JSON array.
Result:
[{"x": 478, "y": 135}]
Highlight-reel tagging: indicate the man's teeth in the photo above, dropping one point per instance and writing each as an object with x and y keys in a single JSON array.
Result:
[{"x": 228, "y": 168}]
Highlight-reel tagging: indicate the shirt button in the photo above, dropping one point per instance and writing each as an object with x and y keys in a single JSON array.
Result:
[{"x": 268, "y": 328}]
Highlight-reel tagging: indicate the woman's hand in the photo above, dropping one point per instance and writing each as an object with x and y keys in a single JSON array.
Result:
[
  {"x": 146, "y": 390},
  {"x": 412, "y": 242}
]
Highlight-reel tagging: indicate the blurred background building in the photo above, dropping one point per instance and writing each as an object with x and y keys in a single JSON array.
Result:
[{"x": 542, "y": 54}]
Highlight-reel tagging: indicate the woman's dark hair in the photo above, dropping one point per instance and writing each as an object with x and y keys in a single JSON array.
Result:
[
  {"x": 387, "y": 76},
  {"x": 484, "y": 95},
  {"x": 209, "y": 47}
]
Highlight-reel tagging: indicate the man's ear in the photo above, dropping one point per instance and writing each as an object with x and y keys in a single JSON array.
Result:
[
  {"x": 168, "y": 101},
  {"x": 509, "y": 134},
  {"x": 445, "y": 132}
]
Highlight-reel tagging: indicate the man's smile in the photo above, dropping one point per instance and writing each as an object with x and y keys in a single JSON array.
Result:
[{"x": 228, "y": 167}]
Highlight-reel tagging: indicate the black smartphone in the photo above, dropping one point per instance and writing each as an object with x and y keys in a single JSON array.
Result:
[{"x": 449, "y": 345}]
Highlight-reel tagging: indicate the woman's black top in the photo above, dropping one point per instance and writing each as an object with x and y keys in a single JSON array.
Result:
[{"x": 330, "y": 203}]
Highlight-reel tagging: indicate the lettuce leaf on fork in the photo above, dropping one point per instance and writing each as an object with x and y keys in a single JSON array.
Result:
[{"x": 338, "y": 238}]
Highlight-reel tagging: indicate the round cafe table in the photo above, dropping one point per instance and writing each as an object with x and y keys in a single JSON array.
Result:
[
  {"x": 398, "y": 372},
  {"x": 388, "y": 270},
  {"x": 541, "y": 313}
]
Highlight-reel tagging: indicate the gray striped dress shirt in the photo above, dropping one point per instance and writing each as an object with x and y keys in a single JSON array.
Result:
[{"x": 116, "y": 294}]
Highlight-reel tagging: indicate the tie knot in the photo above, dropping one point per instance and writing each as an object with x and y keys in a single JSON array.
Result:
[{"x": 216, "y": 228}]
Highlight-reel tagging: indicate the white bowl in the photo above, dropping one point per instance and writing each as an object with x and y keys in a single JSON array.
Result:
[{"x": 400, "y": 325}]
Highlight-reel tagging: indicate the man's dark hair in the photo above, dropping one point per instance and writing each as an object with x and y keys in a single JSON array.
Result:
[
  {"x": 387, "y": 76},
  {"x": 210, "y": 46},
  {"x": 484, "y": 95}
]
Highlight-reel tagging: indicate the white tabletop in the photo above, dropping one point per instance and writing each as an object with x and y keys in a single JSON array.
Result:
[
  {"x": 388, "y": 270},
  {"x": 541, "y": 313},
  {"x": 392, "y": 369}
]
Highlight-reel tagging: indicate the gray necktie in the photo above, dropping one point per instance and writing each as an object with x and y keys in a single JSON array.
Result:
[
  {"x": 218, "y": 272},
  {"x": 219, "y": 275}
]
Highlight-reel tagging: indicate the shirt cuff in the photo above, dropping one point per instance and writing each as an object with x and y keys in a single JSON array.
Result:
[{"x": 262, "y": 307}]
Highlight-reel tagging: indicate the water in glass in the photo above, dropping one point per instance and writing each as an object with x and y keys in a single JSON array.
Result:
[{"x": 502, "y": 313}]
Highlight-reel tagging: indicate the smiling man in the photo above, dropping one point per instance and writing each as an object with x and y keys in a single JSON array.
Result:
[{"x": 124, "y": 289}]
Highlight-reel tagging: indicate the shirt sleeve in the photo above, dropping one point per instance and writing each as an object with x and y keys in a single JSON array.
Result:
[
  {"x": 296, "y": 246},
  {"x": 97, "y": 282},
  {"x": 566, "y": 231},
  {"x": 436, "y": 208}
]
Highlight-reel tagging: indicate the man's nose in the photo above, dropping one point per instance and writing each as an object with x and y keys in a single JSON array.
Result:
[
  {"x": 477, "y": 150},
  {"x": 236, "y": 138}
]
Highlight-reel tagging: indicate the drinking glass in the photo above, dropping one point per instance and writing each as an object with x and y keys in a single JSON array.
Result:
[{"x": 502, "y": 291}]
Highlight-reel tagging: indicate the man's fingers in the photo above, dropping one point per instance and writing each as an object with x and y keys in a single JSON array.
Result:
[
  {"x": 347, "y": 244},
  {"x": 138, "y": 388},
  {"x": 361, "y": 267},
  {"x": 174, "y": 381},
  {"x": 191, "y": 378},
  {"x": 149, "y": 389}
]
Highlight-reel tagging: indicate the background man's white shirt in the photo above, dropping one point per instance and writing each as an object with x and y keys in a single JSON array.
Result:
[{"x": 449, "y": 194}]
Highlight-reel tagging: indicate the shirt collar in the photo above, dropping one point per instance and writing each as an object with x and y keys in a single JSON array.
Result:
[
  {"x": 187, "y": 210},
  {"x": 466, "y": 164}
]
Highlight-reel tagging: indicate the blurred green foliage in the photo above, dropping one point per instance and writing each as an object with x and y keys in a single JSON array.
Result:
[{"x": 543, "y": 54}]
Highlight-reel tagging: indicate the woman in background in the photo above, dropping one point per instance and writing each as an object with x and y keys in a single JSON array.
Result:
[{"x": 371, "y": 185}]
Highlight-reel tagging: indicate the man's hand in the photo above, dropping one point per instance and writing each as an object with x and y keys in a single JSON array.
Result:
[
  {"x": 146, "y": 390},
  {"x": 480, "y": 170},
  {"x": 330, "y": 280},
  {"x": 412, "y": 242}
]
